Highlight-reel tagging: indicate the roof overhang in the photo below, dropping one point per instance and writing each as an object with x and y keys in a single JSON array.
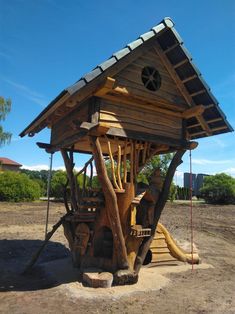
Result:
[{"x": 178, "y": 61}]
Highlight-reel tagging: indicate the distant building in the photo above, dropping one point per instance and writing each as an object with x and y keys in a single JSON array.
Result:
[
  {"x": 187, "y": 183},
  {"x": 7, "y": 164},
  {"x": 197, "y": 182}
]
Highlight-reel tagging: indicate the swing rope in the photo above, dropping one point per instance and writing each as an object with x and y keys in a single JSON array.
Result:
[
  {"x": 191, "y": 203},
  {"x": 48, "y": 194}
]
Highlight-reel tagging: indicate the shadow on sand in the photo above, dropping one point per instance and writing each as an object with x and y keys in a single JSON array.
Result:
[{"x": 16, "y": 254}]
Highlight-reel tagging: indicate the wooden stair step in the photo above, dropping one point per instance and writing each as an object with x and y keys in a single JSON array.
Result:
[
  {"x": 156, "y": 257},
  {"x": 139, "y": 232},
  {"x": 136, "y": 200}
]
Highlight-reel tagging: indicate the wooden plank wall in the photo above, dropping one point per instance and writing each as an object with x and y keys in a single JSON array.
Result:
[
  {"x": 65, "y": 128},
  {"x": 142, "y": 120},
  {"x": 130, "y": 78}
]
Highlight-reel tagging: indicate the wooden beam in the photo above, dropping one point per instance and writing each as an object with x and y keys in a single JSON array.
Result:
[
  {"x": 193, "y": 125},
  {"x": 215, "y": 120},
  {"x": 209, "y": 106},
  {"x": 172, "y": 47},
  {"x": 99, "y": 130},
  {"x": 189, "y": 78},
  {"x": 193, "y": 111},
  {"x": 223, "y": 127},
  {"x": 180, "y": 63},
  {"x": 181, "y": 86},
  {"x": 208, "y": 121},
  {"x": 202, "y": 91},
  {"x": 197, "y": 133},
  {"x": 106, "y": 87}
]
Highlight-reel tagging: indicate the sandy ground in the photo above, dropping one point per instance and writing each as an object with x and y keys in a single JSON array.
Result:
[{"x": 53, "y": 286}]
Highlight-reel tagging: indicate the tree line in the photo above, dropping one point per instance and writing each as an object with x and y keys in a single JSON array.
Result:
[{"x": 29, "y": 185}]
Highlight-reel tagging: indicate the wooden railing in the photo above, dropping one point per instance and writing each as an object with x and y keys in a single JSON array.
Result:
[{"x": 127, "y": 158}]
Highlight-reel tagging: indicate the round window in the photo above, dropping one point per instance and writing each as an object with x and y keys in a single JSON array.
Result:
[{"x": 151, "y": 78}]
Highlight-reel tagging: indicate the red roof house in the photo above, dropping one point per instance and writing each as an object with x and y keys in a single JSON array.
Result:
[{"x": 7, "y": 164}]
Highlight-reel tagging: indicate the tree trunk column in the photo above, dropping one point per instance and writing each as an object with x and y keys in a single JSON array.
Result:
[{"x": 112, "y": 208}]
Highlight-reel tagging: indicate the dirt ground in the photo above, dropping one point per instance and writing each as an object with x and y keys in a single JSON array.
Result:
[{"x": 174, "y": 289}]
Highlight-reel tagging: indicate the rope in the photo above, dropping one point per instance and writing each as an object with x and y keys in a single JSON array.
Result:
[
  {"x": 191, "y": 203},
  {"x": 48, "y": 194}
]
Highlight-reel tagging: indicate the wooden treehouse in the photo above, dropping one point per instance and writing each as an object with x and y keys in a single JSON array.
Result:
[{"x": 147, "y": 99}]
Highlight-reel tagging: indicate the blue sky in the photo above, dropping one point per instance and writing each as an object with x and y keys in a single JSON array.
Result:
[{"x": 47, "y": 45}]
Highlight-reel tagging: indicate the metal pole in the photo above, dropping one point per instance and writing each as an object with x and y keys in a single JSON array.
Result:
[{"x": 48, "y": 193}]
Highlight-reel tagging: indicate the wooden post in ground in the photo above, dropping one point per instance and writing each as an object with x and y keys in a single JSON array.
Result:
[
  {"x": 112, "y": 209},
  {"x": 69, "y": 169}
]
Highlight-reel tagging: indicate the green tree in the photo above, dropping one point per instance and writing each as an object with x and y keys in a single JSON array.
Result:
[
  {"x": 5, "y": 108},
  {"x": 219, "y": 189},
  {"x": 58, "y": 181},
  {"x": 39, "y": 176},
  {"x": 158, "y": 161},
  {"x": 17, "y": 187}
]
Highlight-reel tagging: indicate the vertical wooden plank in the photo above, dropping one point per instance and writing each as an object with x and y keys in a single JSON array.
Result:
[
  {"x": 148, "y": 150},
  {"x": 144, "y": 152},
  {"x": 119, "y": 166},
  {"x": 124, "y": 163},
  {"x": 112, "y": 165},
  {"x": 94, "y": 110},
  {"x": 132, "y": 163}
]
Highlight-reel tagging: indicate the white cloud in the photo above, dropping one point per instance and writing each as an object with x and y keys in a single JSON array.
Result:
[
  {"x": 178, "y": 177},
  {"x": 35, "y": 167},
  {"x": 46, "y": 167},
  {"x": 211, "y": 162},
  {"x": 230, "y": 171},
  {"x": 27, "y": 92}
]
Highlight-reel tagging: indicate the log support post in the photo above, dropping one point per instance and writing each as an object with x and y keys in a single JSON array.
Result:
[
  {"x": 112, "y": 209},
  {"x": 69, "y": 169}
]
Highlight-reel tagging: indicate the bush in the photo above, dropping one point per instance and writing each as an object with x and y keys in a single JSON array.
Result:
[
  {"x": 219, "y": 189},
  {"x": 58, "y": 182},
  {"x": 17, "y": 187}
]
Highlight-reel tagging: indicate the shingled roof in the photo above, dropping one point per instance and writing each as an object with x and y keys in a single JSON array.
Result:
[
  {"x": 9, "y": 162},
  {"x": 198, "y": 92}
]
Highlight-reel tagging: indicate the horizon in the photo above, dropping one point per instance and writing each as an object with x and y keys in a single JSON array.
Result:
[{"x": 38, "y": 60}]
